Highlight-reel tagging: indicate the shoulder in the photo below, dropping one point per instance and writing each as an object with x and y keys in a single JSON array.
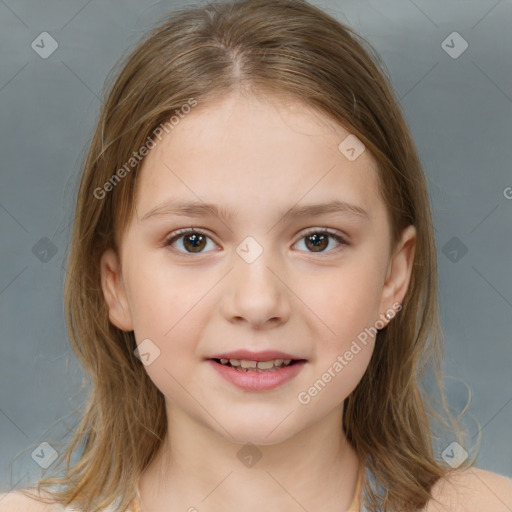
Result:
[
  {"x": 17, "y": 501},
  {"x": 472, "y": 490}
]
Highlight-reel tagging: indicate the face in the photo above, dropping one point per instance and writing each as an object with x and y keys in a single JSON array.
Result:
[{"x": 274, "y": 268}]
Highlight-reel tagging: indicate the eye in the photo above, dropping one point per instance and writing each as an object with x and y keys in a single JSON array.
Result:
[
  {"x": 194, "y": 241},
  {"x": 318, "y": 240}
]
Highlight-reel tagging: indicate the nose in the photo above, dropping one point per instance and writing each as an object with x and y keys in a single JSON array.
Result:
[{"x": 256, "y": 294}]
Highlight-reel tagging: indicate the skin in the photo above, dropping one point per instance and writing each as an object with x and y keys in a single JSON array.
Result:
[{"x": 257, "y": 157}]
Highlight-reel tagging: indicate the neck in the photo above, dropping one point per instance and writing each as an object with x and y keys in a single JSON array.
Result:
[{"x": 198, "y": 470}]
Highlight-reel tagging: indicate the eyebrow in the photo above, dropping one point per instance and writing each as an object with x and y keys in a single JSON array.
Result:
[{"x": 197, "y": 209}]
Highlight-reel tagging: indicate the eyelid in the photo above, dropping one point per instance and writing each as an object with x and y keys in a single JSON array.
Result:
[
  {"x": 175, "y": 235},
  {"x": 340, "y": 238},
  {"x": 322, "y": 229}
]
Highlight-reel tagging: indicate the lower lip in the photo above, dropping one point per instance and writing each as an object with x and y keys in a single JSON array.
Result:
[{"x": 257, "y": 381}]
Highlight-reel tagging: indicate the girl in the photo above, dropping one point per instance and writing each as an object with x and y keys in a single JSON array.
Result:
[{"x": 252, "y": 283}]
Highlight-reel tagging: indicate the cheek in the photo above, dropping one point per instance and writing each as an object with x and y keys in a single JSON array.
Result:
[
  {"x": 163, "y": 298},
  {"x": 339, "y": 365},
  {"x": 345, "y": 334},
  {"x": 173, "y": 322},
  {"x": 345, "y": 300},
  {"x": 167, "y": 309}
]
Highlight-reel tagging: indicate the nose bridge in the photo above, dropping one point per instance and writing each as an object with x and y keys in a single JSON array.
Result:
[
  {"x": 255, "y": 294},
  {"x": 252, "y": 266}
]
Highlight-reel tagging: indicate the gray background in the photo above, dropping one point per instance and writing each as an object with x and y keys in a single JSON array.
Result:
[{"x": 460, "y": 113}]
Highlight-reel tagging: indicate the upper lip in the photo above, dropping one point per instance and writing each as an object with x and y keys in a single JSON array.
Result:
[{"x": 248, "y": 355}]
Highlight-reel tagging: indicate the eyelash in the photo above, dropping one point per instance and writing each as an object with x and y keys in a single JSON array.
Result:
[{"x": 182, "y": 232}]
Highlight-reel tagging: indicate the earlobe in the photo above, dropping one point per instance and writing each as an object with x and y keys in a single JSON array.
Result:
[
  {"x": 114, "y": 292},
  {"x": 400, "y": 269}
]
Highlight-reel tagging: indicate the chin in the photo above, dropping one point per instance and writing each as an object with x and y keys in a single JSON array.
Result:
[
  {"x": 261, "y": 438},
  {"x": 257, "y": 430}
]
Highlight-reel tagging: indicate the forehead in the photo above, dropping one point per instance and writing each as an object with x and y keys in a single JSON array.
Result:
[{"x": 253, "y": 152}]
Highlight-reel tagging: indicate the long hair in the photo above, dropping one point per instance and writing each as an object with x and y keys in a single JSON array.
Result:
[{"x": 194, "y": 56}]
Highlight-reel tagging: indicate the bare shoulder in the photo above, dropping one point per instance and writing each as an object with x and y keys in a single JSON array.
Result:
[
  {"x": 472, "y": 490},
  {"x": 17, "y": 501}
]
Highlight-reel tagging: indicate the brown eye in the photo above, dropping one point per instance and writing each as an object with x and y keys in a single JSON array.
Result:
[
  {"x": 192, "y": 242},
  {"x": 318, "y": 241}
]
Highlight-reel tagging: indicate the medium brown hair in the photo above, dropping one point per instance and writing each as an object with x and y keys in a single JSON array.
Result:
[{"x": 202, "y": 53}]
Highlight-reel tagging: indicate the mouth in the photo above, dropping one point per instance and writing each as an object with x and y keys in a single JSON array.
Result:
[
  {"x": 261, "y": 371},
  {"x": 246, "y": 365}
]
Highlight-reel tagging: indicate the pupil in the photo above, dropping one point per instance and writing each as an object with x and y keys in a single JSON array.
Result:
[
  {"x": 317, "y": 241},
  {"x": 197, "y": 241}
]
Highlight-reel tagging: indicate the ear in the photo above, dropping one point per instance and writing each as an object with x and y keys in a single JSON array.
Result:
[
  {"x": 114, "y": 291},
  {"x": 399, "y": 271}
]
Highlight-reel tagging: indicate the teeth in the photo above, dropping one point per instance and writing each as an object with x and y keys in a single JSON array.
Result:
[
  {"x": 265, "y": 365},
  {"x": 248, "y": 364},
  {"x": 244, "y": 364}
]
